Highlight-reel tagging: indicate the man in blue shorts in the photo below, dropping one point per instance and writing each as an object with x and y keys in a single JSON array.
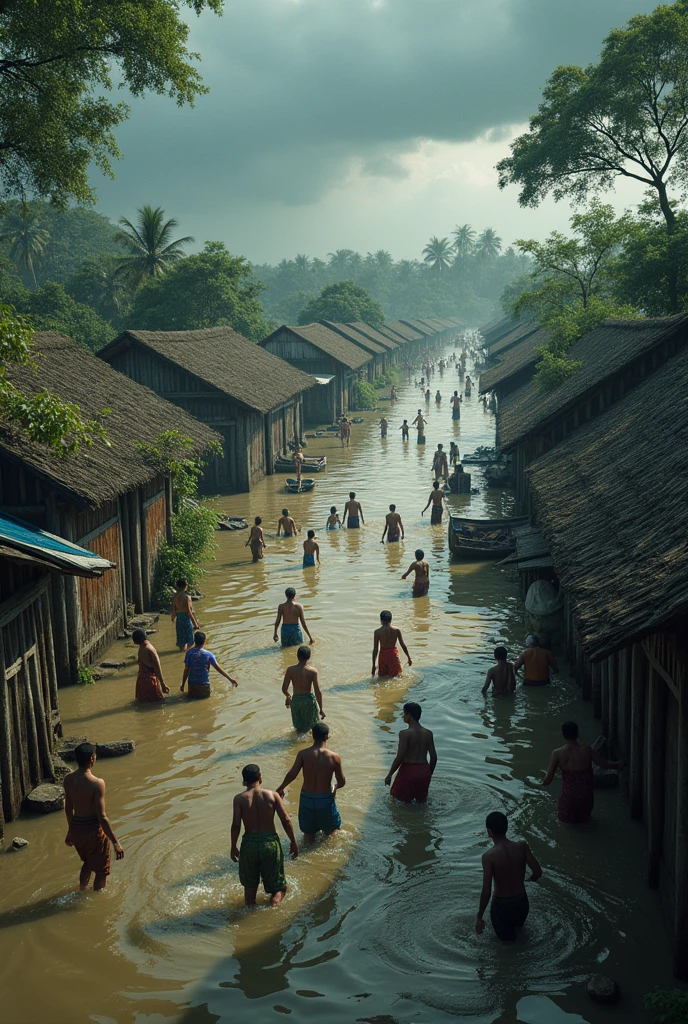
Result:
[
  {"x": 317, "y": 808},
  {"x": 290, "y": 614},
  {"x": 197, "y": 665}
]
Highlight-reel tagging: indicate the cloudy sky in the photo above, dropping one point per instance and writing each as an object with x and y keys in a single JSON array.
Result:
[{"x": 360, "y": 124}]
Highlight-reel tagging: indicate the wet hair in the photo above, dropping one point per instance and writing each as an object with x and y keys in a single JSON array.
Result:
[
  {"x": 285, "y": 511},
  {"x": 435, "y": 484},
  {"x": 290, "y": 592},
  {"x": 419, "y": 554},
  {"x": 250, "y": 773},
  {"x": 303, "y": 653},
  {"x": 180, "y": 584},
  {"x": 199, "y": 638},
  {"x": 414, "y": 710},
  {"x": 569, "y": 731},
  {"x": 352, "y": 494},
  {"x": 83, "y": 754},
  {"x": 385, "y": 616},
  {"x": 138, "y": 636},
  {"x": 257, "y": 520},
  {"x": 311, "y": 533},
  {"x": 392, "y": 508},
  {"x": 440, "y": 446},
  {"x": 501, "y": 653},
  {"x": 406, "y": 421},
  {"x": 320, "y": 731},
  {"x": 532, "y": 640},
  {"x": 456, "y": 393},
  {"x": 333, "y": 510},
  {"x": 497, "y": 822}
]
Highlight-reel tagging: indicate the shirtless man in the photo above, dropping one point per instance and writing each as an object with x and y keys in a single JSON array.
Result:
[
  {"x": 385, "y": 640},
  {"x": 419, "y": 423},
  {"x": 286, "y": 523},
  {"x": 420, "y": 567},
  {"x": 440, "y": 466},
  {"x": 306, "y": 704},
  {"x": 183, "y": 616},
  {"x": 456, "y": 406},
  {"x": 505, "y": 866},
  {"x": 88, "y": 827},
  {"x": 394, "y": 528},
  {"x": 415, "y": 761},
  {"x": 383, "y": 428},
  {"x": 317, "y": 807},
  {"x": 256, "y": 541},
  {"x": 150, "y": 685},
  {"x": 291, "y": 615},
  {"x": 353, "y": 513},
  {"x": 537, "y": 663},
  {"x": 436, "y": 499},
  {"x": 575, "y": 761},
  {"x": 344, "y": 431},
  {"x": 404, "y": 428},
  {"x": 500, "y": 676},
  {"x": 311, "y": 550},
  {"x": 298, "y": 463},
  {"x": 261, "y": 855}
]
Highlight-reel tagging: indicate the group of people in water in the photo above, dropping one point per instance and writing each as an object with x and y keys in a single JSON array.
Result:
[{"x": 260, "y": 855}]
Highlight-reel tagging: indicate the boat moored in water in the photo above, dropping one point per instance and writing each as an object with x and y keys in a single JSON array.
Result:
[{"x": 479, "y": 539}]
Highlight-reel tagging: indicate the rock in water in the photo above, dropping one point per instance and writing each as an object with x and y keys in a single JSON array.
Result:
[
  {"x": 115, "y": 749},
  {"x": 603, "y": 990},
  {"x": 45, "y": 798},
  {"x": 18, "y": 843},
  {"x": 65, "y": 748}
]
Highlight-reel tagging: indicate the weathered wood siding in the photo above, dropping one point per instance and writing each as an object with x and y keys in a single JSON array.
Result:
[
  {"x": 100, "y": 600},
  {"x": 155, "y": 515}
]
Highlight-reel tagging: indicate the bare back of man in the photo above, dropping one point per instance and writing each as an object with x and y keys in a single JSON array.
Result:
[
  {"x": 88, "y": 826},
  {"x": 508, "y": 862},
  {"x": 301, "y": 678},
  {"x": 291, "y": 612},
  {"x": 258, "y": 808},
  {"x": 319, "y": 766},
  {"x": 415, "y": 744},
  {"x": 387, "y": 637},
  {"x": 181, "y": 602},
  {"x": 502, "y": 678},
  {"x": 317, "y": 806}
]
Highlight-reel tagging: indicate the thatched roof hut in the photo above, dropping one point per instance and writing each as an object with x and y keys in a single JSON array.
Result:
[
  {"x": 516, "y": 364},
  {"x": 612, "y": 501}
]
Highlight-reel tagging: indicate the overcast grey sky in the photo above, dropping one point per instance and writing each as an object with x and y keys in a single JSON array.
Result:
[{"x": 360, "y": 124}]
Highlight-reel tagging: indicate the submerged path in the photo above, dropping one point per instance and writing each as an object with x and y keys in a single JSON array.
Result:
[{"x": 378, "y": 923}]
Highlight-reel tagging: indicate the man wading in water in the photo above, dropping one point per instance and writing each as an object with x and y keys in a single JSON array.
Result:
[
  {"x": 353, "y": 513},
  {"x": 420, "y": 567},
  {"x": 290, "y": 614},
  {"x": 183, "y": 616},
  {"x": 88, "y": 827},
  {"x": 317, "y": 808},
  {"x": 436, "y": 499},
  {"x": 505, "y": 865},
  {"x": 536, "y": 662},
  {"x": 261, "y": 856},
  {"x": 385, "y": 640},
  {"x": 415, "y": 761},
  {"x": 307, "y": 700}
]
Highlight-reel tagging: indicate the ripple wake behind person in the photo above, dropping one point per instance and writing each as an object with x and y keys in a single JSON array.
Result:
[{"x": 504, "y": 866}]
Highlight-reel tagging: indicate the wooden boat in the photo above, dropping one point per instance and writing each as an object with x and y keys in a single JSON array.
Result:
[
  {"x": 231, "y": 523},
  {"x": 314, "y": 464},
  {"x": 292, "y": 484},
  {"x": 479, "y": 539}
]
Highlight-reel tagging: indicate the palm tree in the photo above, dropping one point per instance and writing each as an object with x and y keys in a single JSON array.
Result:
[
  {"x": 464, "y": 240},
  {"x": 28, "y": 240},
  {"x": 406, "y": 269},
  {"x": 301, "y": 262},
  {"x": 489, "y": 243},
  {"x": 151, "y": 250},
  {"x": 382, "y": 258},
  {"x": 437, "y": 253}
]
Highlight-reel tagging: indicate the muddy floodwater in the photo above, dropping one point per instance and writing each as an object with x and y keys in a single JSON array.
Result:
[{"x": 378, "y": 923}]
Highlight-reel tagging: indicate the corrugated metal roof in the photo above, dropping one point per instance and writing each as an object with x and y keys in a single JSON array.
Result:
[{"x": 59, "y": 553}]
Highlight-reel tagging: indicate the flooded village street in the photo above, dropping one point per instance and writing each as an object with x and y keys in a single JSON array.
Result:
[{"x": 378, "y": 923}]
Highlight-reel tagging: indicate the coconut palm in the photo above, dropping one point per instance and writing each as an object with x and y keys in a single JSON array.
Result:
[
  {"x": 489, "y": 243},
  {"x": 437, "y": 253},
  {"x": 406, "y": 269},
  {"x": 464, "y": 240},
  {"x": 382, "y": 258},
  {"x": 302, "y": 262},
  {"x": 28, "y": 240},
  {"x": 151, "y": 251}
]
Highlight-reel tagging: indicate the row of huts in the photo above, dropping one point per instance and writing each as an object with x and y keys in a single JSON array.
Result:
[
  {"x": 601, "y": 463},
  {"x": 80, "y": 533}
]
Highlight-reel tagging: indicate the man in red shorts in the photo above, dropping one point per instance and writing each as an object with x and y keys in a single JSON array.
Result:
[
  {"x": 88, "y": 827},
  {"x": 385, "y": 640},
  {"x": 416, "y": 759}
]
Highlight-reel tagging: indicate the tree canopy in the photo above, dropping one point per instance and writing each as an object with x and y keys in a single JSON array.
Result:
[
  {"x": 150, "y": 249},
  {"x": 343, "y": 302},
  {"x": 57, "y": 65}
]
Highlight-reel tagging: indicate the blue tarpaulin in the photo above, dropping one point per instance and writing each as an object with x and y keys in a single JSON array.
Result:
[{"x": 17, "y": 535}]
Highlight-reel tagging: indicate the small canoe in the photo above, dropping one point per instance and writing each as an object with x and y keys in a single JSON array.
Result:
[
  {"x": 231, "y": 523},
  {"x": 313, "y": 464},
  {"x": 292, "y": 484},
  {"x": 479, "y": 539}
]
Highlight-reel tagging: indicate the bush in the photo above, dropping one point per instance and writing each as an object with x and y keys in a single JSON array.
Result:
[
  {"x": 193, "y": 529},
  {"x": 387, "y": 378},
  {"x": 669, "y": 1006},
  {"x": 552, "y": 370},
  {"x": 364, "y": 396}
]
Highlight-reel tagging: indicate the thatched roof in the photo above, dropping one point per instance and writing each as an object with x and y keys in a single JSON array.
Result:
[
  {"x": 604, "y": 353},
  {"x": 397, "y": 329},
  {"x": 219, "y": 356},
  {"x": 497, "y": 328},
  {"x": 354, "y": 336},
  {"x": 523, "y": 354},
  {"x": 98, "y": 474},
  {"x": 374, "y": 334},
  {"x": 511, "y": 338},
  {"x": 329, "y": 342},
  {"x": 421, "y": 327},
  {"x": 612, "y": 501}
]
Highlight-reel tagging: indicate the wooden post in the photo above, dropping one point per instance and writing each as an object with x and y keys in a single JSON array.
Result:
[
  {"x": 604, "y": 695},
  {"x": 5, "y": 742},
  {"x": 596, "y": 676},
  {"x": 168, "y": 508},
  {"x": 613, "y": 677},
  {"x": 655, "y": 774},
  {"x": 58, "y": 614},
  {"x": 145, "y": 574},
  {"x": 30, "y": 719},
  {"x": 123, "y": 510},
  {"x": 50, "y": 655},
  {"x": 73, "y": 610},
  {"x": 135, "y": 550},
  {"x": 681, "y": 855},
  {"x": 637, "y": 742}
]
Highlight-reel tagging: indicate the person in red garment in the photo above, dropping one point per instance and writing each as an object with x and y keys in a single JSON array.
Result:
[
  {"x": 575, "y": 763},
  {"x": 150, "y": 685},
  {"x": 385, "y": 640},
  {"x": 415, "y": 761}
]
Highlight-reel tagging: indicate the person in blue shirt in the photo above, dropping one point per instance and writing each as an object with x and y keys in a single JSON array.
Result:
[{"x": 197, "y": 664}]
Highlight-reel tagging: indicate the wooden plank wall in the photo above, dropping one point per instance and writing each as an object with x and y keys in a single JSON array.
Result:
[{"x": 100, "y": 600}]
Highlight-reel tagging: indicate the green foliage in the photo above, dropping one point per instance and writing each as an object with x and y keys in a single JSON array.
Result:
[
  {"x": 364, "y": 395},
  {"x": 210, "y": 289},
  {"x": 149, "y": 246},
  {"x": 171, "y": 453},
  {"x": 576, "y": 320},
  {"x": 43, "y": 416},
  {"x": 27, "y": 239},
  {"x": 438, "y": 253},
  {"x": 651, "y": 260},
  {"x": 670, "y": 1006},
  {"x": 52, "y": 309},
  {"x": 96, "y": 283},
  {"x": 344, "y": 302},
  {"x": 58, "y": 65},
  {"x": 386, "y": 379},
  {"x": 552, "y": 369},
  {"x": 84, "y": 676}
]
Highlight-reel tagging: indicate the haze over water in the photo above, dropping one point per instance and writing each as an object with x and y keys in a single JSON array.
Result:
[{"x": 378, "y": 923}]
